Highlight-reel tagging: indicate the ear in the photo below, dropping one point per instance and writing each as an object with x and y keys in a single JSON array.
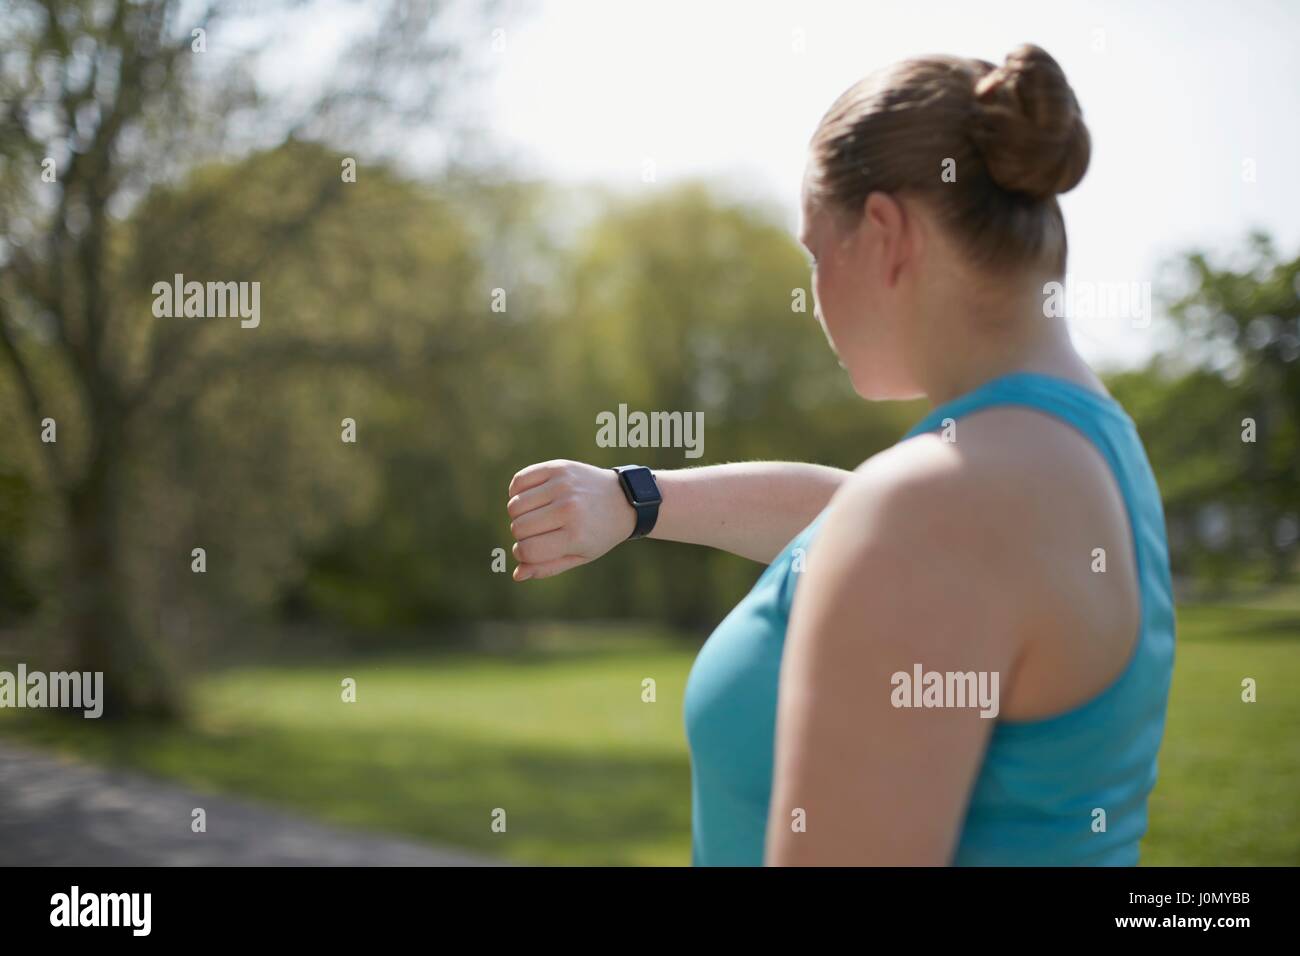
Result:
[{"x": 887, "y": 221}]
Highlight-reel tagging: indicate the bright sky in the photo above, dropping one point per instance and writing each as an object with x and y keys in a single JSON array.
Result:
[{"x": 1184, "y": 100}]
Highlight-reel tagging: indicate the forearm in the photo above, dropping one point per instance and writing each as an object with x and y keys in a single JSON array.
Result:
[{"x": 752, "y": 509}]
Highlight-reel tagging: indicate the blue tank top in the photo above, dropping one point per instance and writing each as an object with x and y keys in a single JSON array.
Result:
[{"x": 1035, "y": 798}]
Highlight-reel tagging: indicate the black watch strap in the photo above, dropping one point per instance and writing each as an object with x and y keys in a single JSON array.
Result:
[
  {"x": 642, "y": 493},
  {"x": 646, "y": 516}
]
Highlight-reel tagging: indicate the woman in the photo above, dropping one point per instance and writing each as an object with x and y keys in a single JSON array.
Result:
[{"x": 961, "y": 651}]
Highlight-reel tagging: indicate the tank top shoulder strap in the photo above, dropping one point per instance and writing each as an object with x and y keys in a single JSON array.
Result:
[{"x": 1097, "y": 416}]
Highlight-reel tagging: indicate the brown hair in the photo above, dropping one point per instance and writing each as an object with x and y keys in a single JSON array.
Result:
[{"x": 1014, "y": 132}]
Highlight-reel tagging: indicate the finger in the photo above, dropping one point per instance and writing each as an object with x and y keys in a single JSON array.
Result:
[
  {"x": 542, "y": 547},
  {"x": 548, "y": 569},
  {"x": 539, "y": 521},
  {"x": 530, "y": 477},
  {"x": 529, "y": 500}
]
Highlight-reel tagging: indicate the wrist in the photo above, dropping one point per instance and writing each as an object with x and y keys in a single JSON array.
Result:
[{"x": 668, "y": 482}]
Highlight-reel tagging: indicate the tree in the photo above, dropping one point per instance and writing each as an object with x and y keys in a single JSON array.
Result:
[
  {"x": 1220, "y": 416},
  {"x": 101, "y": 104},
  {"x": 1251, "y": 312}
]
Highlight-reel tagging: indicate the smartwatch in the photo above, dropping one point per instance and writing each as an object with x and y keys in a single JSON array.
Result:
[{"x": 642, "y": 494}]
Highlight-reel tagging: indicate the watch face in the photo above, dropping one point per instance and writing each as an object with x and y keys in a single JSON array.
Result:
[{"x": 642, "y": 485}]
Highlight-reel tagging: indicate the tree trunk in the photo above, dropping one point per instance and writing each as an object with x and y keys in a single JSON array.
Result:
[{"x": 105, "y": 637}]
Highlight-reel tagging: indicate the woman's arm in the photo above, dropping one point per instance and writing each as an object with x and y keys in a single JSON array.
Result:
[
  {"x": 566, "y": 513},
  {"x": 910, "y": 571},
  {"x": 751, "y": 508}
]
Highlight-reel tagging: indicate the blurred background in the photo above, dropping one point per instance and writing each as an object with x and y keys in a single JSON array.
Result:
[{"x": 475, "y": 227}]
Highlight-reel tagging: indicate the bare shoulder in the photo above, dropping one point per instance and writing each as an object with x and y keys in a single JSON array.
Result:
[
  {"x": 969, "y": 484},
  {"x": 1011, "y": 444},
  {"x": 1007, "y": 477},
  {"x": 922, "y": 546},
  {"x": 995, "y": 528}
]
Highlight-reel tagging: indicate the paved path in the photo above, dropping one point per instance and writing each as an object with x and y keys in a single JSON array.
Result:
[{"x": 58, "y": 812}]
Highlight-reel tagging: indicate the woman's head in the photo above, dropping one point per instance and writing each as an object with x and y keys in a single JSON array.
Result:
[{"x": 933, "y": 170}]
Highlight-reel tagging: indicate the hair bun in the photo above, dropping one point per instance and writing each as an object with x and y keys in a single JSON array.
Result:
[{"x": 1028, "y": 126}]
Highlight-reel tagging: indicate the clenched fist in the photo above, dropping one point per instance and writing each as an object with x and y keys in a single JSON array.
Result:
[{"x": 563, "y": 514}]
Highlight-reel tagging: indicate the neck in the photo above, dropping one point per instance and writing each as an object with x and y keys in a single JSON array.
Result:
[{"x": 965, "y": 341}]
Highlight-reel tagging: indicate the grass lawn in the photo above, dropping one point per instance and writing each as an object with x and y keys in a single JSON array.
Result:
[
  {"x": 1229, "y": 786},
  {"x": 589, "y": 773}
]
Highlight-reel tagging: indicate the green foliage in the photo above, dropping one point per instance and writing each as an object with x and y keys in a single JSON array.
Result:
[
  {"x": 680, "y": 302},
  {"x": 1232, "y": 504},
  {"x": 377, "y": 306}
]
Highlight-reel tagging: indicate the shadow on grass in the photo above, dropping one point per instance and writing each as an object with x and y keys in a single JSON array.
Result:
[
  {"x": 560, "y": 807},
  {"x": 1215, "y": 623}
]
